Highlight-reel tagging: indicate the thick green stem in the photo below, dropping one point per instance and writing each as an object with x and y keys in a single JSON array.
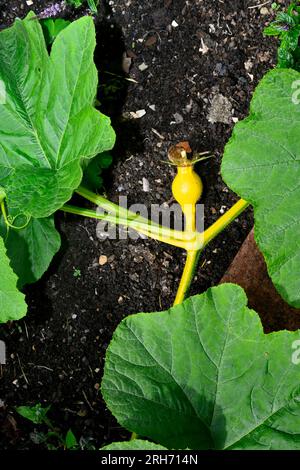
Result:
[
  {"x": 156, "y": 233},
  {"x": 192, "y": 242},
  {"x": 123, "y": 213},
  {"x": 191, "y": 263},
  {"x": 223, "y": 222},
  {"x": 209, "y": 235}
]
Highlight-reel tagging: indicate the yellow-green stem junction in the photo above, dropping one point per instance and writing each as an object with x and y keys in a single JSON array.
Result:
[{"x": 190, "y": 240}]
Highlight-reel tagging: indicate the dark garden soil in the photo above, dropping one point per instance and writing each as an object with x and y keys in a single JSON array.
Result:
[{"x": 186, "y": 56}]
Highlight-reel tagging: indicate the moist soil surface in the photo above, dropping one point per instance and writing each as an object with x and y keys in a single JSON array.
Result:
[{"x": 195, "y": 64}]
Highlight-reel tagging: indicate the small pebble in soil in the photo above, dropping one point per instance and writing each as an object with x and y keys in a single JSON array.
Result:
[
  {"x": 103, "y": 260},
  {"x": 189, "y": 106},
  {"x": 248, "y": 65},
  {"x": 126, "y": 63},
  {"x": 178, "y": 119},
  {"x": 203, "y": 49},
  {"x": 138, "y": 114},
  {"x": 220, "y": 110},
  {"x": 143, "y": 67},
  {"x": 264, "y": 11},
  {"x": 146, "y": 185}
]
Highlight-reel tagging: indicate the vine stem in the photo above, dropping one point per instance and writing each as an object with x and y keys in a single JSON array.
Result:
[
  {"x": 193, "y": 256},
  {"x": 5, "y": 217},
  {"x": 215, "y": 229},
  {"x": 154, "y": 232},
  {"x": 192, "y": 241},
  {"x": 190, "y": 266},
  {"x": 123, "y": 213}
]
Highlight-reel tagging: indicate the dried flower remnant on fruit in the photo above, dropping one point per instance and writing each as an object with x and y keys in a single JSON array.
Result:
[{"x": 177, "y": 154}]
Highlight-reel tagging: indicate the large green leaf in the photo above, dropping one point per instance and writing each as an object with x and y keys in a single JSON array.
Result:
[
  {"x": 204, "y": 375},
  {"x": 136, "y": 444},
  {"x": 262, "y": 164},
  {"x": 31, "y": 249},
  {"x": 48, "y": 124},
  {"x": 12, "y": 302}
]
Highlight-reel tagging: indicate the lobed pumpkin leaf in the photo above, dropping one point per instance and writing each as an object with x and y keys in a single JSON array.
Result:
[
  {"x": 31, "y": 249},
  {"x": 12, "y": 302},
  {"x": 203, "y": 375},
  {"x": 261, "y": 163},
  {"x": 48, "y": 123}
]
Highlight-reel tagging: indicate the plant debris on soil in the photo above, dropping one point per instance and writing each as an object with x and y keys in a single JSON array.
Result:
[
  {"x": 194, "y": 66},
  {"x": 249, "y": 270}
]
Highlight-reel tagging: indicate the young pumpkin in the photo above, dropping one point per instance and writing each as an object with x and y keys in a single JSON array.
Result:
[{"x": 187, "y": 186}]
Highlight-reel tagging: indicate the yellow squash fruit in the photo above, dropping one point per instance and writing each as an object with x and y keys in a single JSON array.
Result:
[{"x": 187, "y": 186}]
